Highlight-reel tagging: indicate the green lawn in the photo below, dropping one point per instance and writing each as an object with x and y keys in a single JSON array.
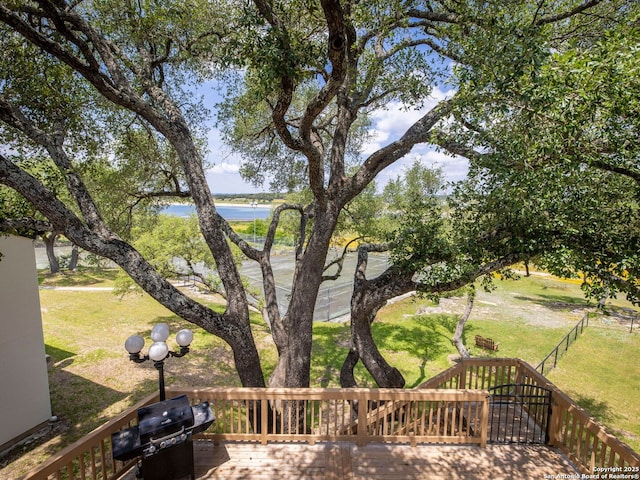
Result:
[
  {"x": 601, "y": 372},
  {"x": 91, "y": 378}
]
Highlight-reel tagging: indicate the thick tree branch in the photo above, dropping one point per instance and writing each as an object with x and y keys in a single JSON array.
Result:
[
  {"x": 569, "y": 13},
  {"x": 166, "y": 117},
  {"x": 13, "y": 117},
  {"x": 450, "y": 144},
  {"x": 230, "y": 329},
  {"x": 440, "y": 17},
  {"x": 36, "y": 227},
  {"x": 394, "y": 282},
  {"x": 621, "y": 170},
  {"x": 88, "y": 66},
  {"x": 419, "y": 132}
]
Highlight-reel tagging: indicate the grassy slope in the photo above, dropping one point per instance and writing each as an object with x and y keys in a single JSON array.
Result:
[
  {"x": 601, "y": 372},
  {"x": 91, "y": 379}
]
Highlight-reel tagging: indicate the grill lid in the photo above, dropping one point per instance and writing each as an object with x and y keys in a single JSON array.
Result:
[
  {"x": 164, "y": 418},
  {"x": 160, "y": 426}
]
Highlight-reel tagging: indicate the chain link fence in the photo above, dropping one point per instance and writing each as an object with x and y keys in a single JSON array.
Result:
[{"x": 334, "y": 297}]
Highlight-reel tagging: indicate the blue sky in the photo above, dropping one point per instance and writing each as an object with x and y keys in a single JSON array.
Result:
[{"x": 388, "y": 125}]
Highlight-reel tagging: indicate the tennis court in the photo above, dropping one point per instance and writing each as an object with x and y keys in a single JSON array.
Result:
[{"x": 334, "y": 297}]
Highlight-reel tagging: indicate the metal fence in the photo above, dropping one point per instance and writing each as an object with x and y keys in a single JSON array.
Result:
[
  {"x": 551, "y": 360},
  {"x": 334, "y": 297}
]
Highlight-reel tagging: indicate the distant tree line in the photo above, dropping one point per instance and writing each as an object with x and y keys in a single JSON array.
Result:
[{"x": 263, "y": 197}]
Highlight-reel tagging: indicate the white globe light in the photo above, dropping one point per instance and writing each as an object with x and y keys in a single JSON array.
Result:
[
  {"x": 160, "y": 332},
  {"x": 158, "y": 351},
  {"x": 184, "y": 337},
  {"x": 134, "y": 344}
]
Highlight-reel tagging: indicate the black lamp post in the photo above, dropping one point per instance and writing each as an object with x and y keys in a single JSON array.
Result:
[{"x": 158, "y": 351}]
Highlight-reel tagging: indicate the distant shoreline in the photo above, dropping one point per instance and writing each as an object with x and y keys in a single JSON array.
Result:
[
  {"x": 227, "y": 204},
  {"x": 259, "y": 205}
]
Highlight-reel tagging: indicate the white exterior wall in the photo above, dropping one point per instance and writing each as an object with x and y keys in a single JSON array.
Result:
[{"x": 24, "y": 384}]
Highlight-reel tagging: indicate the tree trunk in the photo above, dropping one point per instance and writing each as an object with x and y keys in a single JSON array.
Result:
[
  {"x": 385, "y": 375},
  {"x": 293, "y": 332},
  {"x": 457, "y": 336},
  {"x": 294, "y": 349},
  {"x": 49, "y": 242},
  {"x": 75, "y": 255},
  {"x": 347, "y": 378},
  {"x": 603, "y": 299},
  {"x": 367, "y": 298}
]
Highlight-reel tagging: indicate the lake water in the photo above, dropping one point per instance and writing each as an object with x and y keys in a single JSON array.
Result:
[{"x": 229, "y": 212}]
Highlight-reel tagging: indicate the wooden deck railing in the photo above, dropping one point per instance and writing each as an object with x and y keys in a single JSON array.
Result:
[
  {"x": 585, "y": 441},
  {"x": 296, "y": 414},
  {"x": 452, "y": 407},
  {"x": 336, "y": 414}
]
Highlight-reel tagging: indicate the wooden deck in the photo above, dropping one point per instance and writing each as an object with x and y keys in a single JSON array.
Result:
[
  {"x": 337, "y": 461},
  {"x": 441, "y": 419}
]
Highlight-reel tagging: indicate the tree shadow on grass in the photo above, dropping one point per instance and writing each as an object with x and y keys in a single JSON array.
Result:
[
  {"x": 426, "y": 337},
  {"x": 450, "y": 322},
  {"x": 80, "y": 405},
  {"x": 598, "y": 409},
  {"x": 331, "y": 344},
  {"x": 85, "y": 405},
  {"x": 554, "y": 302}
]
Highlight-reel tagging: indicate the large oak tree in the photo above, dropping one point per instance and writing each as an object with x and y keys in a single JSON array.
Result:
[{"x": 84, "y": 75}]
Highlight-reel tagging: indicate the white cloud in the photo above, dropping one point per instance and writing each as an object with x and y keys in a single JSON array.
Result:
[
  {"x": 391, "y": 123},
  {"x": 395, "y": 119},
  {"x": 224, "y": 168},
  {"x": 224, "y": 174},
  {"x": 454, "y": 168}
]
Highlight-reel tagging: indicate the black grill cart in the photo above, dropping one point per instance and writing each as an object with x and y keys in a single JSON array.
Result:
[{"x": 163, "y": 438}]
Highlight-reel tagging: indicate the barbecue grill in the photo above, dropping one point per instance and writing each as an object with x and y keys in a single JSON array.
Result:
[{"x": 163, "y": 438}]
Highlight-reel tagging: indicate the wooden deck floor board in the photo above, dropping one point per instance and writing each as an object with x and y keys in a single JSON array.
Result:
[{"x": 346, "y": 461}]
